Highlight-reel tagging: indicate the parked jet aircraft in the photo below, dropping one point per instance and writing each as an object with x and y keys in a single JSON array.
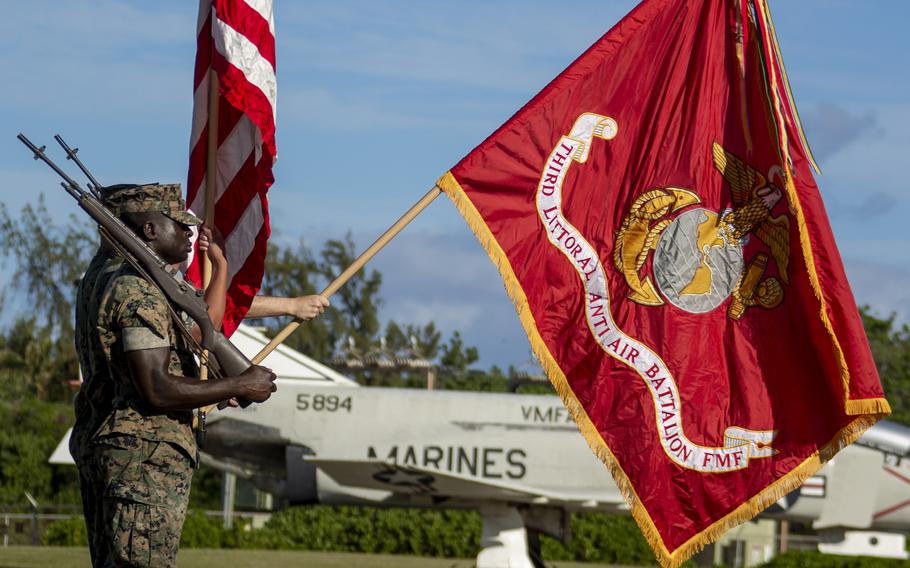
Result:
[
  {"x": 516, "y": 458},
  {"x": 860, "y": 501}
]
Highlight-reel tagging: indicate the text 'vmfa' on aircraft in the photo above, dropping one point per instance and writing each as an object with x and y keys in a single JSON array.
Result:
[{"x": 516, "y": 458}]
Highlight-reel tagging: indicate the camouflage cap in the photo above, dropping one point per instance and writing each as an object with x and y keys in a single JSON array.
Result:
[{"x": 134, "y": 198}]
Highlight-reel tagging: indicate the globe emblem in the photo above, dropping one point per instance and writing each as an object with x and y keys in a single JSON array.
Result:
[{"x": 696, "y": 266}]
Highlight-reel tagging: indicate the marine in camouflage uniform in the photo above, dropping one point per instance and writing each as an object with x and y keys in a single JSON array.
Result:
[{"x": 135, "y": 462}]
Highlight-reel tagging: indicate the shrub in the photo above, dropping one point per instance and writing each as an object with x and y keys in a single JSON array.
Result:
[
  {"x": 71, "y": 532},
  {"x": 599, "y": 537},
  {"x": 200, "y": 531},
  {"x": 370, "y": 530}
]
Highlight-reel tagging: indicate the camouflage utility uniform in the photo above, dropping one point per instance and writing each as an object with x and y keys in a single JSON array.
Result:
[
  {"x": 95, "y": 397},
  {"x": 135, "y": 462}
]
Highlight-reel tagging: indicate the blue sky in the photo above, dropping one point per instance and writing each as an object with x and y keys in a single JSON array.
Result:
[{"x": 377, "y": 99}]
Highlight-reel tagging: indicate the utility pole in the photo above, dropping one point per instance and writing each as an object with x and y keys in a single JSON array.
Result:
[{"x": 34, "y": 504}]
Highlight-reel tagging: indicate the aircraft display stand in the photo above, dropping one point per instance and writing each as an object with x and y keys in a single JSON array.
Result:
[{"x": 505, "y": 539}]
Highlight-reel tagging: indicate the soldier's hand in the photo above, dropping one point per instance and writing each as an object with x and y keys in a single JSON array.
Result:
[
  {"x": 211, "y": 241},
  {"x": 307, "y": 307},
  {"x": 257, "y": 384},
  {"x": 229, "y": 403}
]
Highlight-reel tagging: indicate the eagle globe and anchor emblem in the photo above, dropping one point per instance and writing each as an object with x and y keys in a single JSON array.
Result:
[
  {"x": 698, "y": 262},
  {"x": 698, "y": 259}
]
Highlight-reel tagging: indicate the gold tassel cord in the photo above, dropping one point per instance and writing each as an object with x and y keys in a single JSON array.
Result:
[
  {"x": 769, "y": 63},
  {"x": 742, "y": 26},
  {"x": 791, "y": 102}
]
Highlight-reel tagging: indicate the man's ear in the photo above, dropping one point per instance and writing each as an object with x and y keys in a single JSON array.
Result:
[{"x": 150, "y": 230}]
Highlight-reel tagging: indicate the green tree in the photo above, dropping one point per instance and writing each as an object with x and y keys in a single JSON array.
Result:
[
  {"x": 290, "y": 272},
  {"x": 456, "y": 357},
  {"x": 358, "y": 301},
  {"x": 454, "y": 365},
  {"x": 601, "y": 537},
  {"x": 891, "y": 351},
  {"x": 350, "y": 335},
  {"x": 422, "y": 341},
  {"x": 34, "y": 364},
  {"x": 30, "y": 429},
  {"x": 413, "y": 348},
  {"x": 49, "y": 259}
]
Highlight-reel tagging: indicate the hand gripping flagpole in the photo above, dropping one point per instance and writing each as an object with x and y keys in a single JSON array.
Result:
[{"x": 350, "y": 271}]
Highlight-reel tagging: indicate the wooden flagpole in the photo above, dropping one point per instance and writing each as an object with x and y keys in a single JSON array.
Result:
[
  {"x": 211, "y": 168},
  {"x": 350, "y": 271}
]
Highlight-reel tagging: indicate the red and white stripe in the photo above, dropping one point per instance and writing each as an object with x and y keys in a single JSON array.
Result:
[{"x": 236, "y": 38}]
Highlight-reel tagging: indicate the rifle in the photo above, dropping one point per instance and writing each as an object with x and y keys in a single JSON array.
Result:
[
  {"x": 93, "y": 185},
  {"x": 148, "y": 263}
]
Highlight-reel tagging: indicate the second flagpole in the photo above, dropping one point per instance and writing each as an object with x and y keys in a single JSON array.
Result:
[
  {"x": 350, "y": 271},
  {"x": 211, "y": 166}
]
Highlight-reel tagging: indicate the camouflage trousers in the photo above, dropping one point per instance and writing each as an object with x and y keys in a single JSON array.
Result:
[{"x": 135, "y": 494}]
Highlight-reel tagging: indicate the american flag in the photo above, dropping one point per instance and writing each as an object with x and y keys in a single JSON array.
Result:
[{"x": 235, "y": 39}]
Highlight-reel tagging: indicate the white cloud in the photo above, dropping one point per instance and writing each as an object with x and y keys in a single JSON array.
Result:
[
  {"x": 831, "y": 128},
  {"x": 883, "y": 287},
  {"x": 473, "y": 44},
  {"x": 325, "y": 109},
  {"x": 880, "y": 251},
  {"x": 875, "y": 161},
  {"x": 96, "y": 26},
  {"x": 104, "y": 61},
  {"x": 447, "y": 315}
]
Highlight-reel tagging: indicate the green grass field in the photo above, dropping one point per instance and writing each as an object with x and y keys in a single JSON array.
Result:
[{"x": 58, "y": 557}]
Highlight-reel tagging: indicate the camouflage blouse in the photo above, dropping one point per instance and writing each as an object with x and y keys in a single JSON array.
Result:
[
  {"x": 130, "y": 314},
  {"x": 94, "y": 399}
]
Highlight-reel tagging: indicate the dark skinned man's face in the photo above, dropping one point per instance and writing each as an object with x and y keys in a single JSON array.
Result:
[{"x": 172, "y": 239}]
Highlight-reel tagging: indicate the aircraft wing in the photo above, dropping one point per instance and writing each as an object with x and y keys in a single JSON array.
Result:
[{"x": 385, "y": 476}]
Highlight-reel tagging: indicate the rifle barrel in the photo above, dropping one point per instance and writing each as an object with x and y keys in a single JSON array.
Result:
[
  {"x": 94, "y": 186},
  {"x": 73, "y": 187}
]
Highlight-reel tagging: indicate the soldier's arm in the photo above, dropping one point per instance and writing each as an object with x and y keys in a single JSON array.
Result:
[
  {"x": 140, "y": 312},
  {"x": 167, "y": 392},
  {"x": 302, "y": 307},
  {"x": 216, "y": 293}
]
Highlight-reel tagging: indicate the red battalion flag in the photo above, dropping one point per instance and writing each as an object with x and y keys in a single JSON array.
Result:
[
  {"x": 654, "y": 217},
  {"x": 235, "y": 39}
]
